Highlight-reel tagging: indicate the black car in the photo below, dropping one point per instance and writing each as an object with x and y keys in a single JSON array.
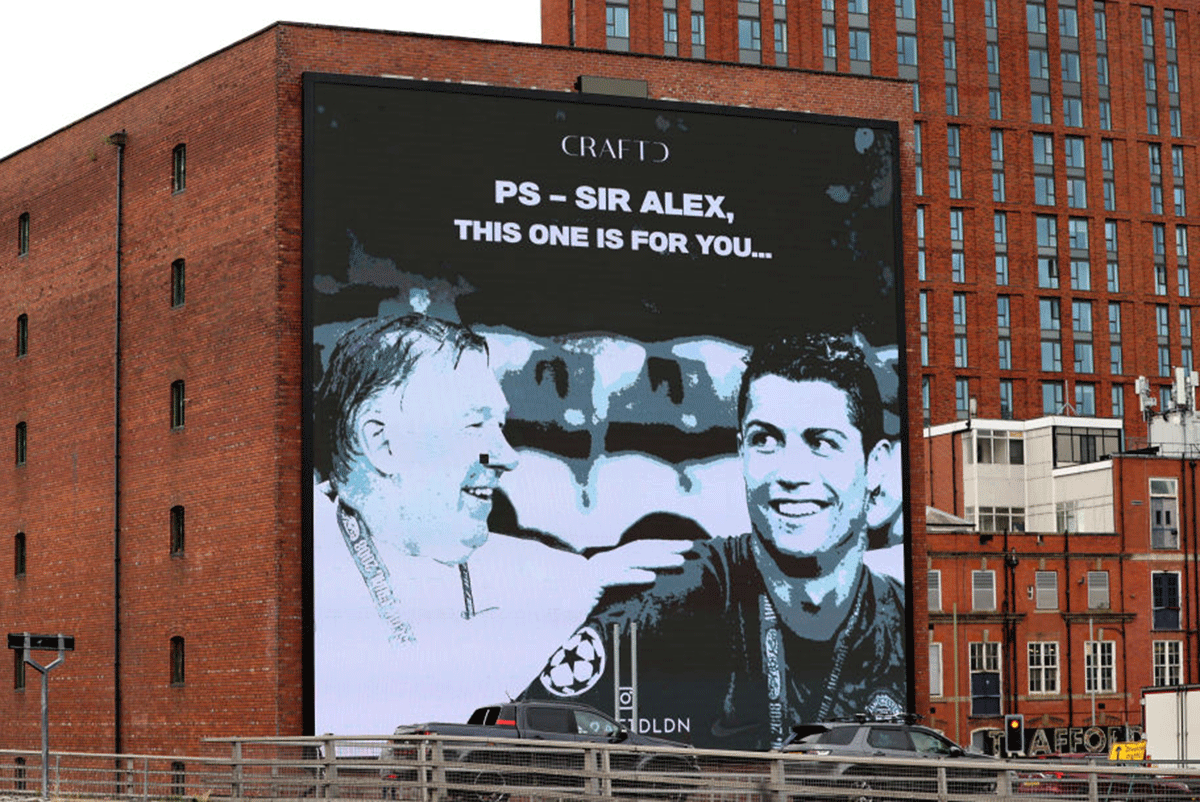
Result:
[
  {"x": 493, "y": 767},
  {"x": 863, "y": 740}
]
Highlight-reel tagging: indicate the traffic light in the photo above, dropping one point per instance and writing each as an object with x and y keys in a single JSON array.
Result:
[{"x": 1014, "y": 734}]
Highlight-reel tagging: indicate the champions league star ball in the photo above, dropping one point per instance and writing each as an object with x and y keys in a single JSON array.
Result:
[{"x": 577, "y": 665}]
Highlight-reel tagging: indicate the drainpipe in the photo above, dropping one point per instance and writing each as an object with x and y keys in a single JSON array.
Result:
[
  {"x": 955, "y": 445},
  {"x": 1185, "y": 611},
  {"x": 1067, "y": 625},
  {"x": 1189, "y": 528},
  {"x": 117, "y": 139}
]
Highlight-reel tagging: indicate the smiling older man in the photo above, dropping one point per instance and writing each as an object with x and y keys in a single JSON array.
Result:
[
  {"x": 418, "y": 609},
  {"x": 785, "y": 623}
]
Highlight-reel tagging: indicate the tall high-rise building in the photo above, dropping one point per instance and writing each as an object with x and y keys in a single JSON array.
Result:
[{"x": 1055, "y": 147}]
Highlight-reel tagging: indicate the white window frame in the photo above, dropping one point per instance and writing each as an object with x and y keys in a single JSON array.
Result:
[
  {"x": 1098, "y": 592},
  {"x": 983, "y": 591},
  {"x": 1167, "y": 659},
  {"x": 1164, "y": 536},
  {"x": 1100, "y": 666},
  {"x": 1046, "y": 589},
  {"x": 935, "y": 669},
  {"x": 984, "y": 657},
  {"x": 1178, "y": 606},
  {"x": 934, "y": 582},
  {"x": 1044, "y": 666}
]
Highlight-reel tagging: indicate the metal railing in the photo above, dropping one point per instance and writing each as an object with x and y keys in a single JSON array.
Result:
[{"x": 441, "y": 769}]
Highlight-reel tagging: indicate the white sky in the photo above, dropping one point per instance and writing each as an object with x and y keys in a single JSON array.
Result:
[{"x": 63, "y": 59}]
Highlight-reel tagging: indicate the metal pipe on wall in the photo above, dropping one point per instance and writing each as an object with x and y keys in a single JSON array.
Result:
[
  {"x": 1195, "y": 589},
  {"x": 117, "y": 139}
]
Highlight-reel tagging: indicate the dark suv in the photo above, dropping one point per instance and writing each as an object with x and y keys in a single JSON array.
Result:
[{"x": 863, "y": 740}]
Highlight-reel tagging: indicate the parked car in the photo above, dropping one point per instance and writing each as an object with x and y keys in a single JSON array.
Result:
[
  {"x": 491, "y": 769},
  {"x": 1127, "y": 788},
  {"x": 1064, "y": 776},
  {"x": 864, "y": 739},
  {"x": 1109, "y": 788}
]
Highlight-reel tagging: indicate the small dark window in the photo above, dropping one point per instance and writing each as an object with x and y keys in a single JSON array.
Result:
[
  {"x": 485, "y": 715},
  {"x": 177, "y": 282},
  {"x": 891, "y": 738},
  {"x": 22, "y": 335},
  {"x": 177, "y": 660},
  {"x": 20, "y": 774},
  {"x": 841, "y": 736},
  {"x": 23, "y": 234},
  {"x": 177, "y": 529},
  {"x": 178, "y": 402},
  {"x": 550, "y": 719},
  {"x": 19, "y": 554},
  {"x": 20, "y": 443},
  {"x": 18, "y": 669},
  {"x": 1165, "y": 597},
  {"x": 179, "y": 168},
  {"x": 178, "y": 779}
]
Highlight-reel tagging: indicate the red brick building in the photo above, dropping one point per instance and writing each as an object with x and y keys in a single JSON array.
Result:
[
  {"x": 1062, "y": 612},
  {"x": 152, "y": 385}
]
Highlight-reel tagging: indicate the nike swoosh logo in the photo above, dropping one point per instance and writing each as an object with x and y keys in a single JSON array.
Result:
[{"x": 719, "y": 730}]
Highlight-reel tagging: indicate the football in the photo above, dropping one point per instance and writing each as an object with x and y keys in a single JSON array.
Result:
[{"x": 576, "y": 666}]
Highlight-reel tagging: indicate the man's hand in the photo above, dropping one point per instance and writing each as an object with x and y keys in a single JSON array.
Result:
[{"x": 636, "y": 563}]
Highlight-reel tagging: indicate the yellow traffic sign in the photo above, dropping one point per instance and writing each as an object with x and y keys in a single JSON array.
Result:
[{"x": 1128, "y": 750}]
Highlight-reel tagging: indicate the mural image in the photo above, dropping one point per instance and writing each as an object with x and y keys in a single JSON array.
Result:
[{"x": 588, "y": 376}]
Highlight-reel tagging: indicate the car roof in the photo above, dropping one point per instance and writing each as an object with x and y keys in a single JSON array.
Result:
[
  {"x": 801, "y": 732},
  {"x": 550, "y": 703},
  {"x": 824, "y": 726},
  {"x": 804, "y": 730}
]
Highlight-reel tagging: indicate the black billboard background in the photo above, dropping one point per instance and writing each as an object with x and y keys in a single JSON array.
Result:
[
  {"x": 391, "y": 165},
  {"x": 398, "y": 167}
]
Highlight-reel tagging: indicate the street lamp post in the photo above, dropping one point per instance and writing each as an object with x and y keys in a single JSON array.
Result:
[{"x": 26, "y": 643}]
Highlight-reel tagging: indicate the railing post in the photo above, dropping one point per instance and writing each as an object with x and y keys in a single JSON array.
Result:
[
  {"x": 1093, "y": 790},
  {"x": 423, "y": 769},
  {"x": 439, "y": 770},
  {"x": 1004, "y": 787},
  {"x": 145, "y": 777},
  {"x": 331, "y": 772},
  {"x": 599, "y": 785},
  {"x": 778, "y": 782},
  {"x": 238, "y": 789}
]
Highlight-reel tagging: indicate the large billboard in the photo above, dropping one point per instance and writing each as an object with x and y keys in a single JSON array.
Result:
[{"x": 603, "y": 403}]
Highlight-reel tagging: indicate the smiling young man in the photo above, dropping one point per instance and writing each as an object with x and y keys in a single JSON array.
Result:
[{"x": 784, "y": 623}]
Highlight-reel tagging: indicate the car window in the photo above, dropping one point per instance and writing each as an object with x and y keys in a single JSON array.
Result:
[
  {"x": 928, "y": 743},
  {"x": 550, "y": 719},
  {"x": 889, "y": 738},
  {"x": 806, "y": 734},
  {"x": 485, "y": 715},
  {"x": 592, "y": 724},
  {"x": 838, "y": 736}
]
